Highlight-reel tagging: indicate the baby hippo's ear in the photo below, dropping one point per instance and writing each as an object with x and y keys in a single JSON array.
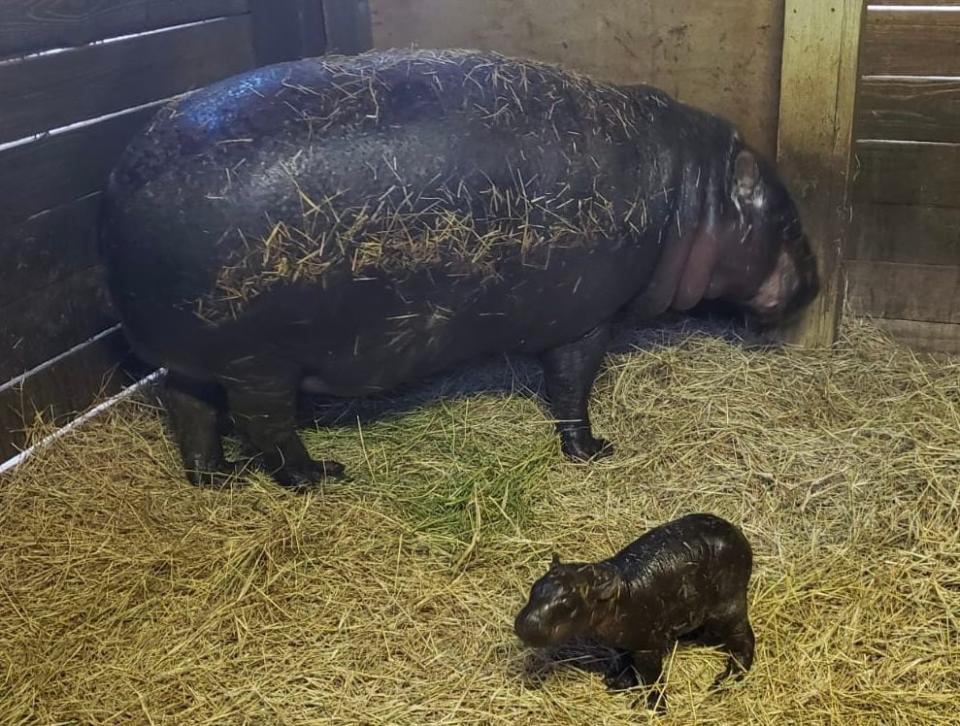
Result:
[
  {"x": 555, "y": 562},
  {"x": 607, "y": 582}
]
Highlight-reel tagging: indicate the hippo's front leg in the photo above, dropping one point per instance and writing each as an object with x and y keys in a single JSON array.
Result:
[
  {"x": 264, "y": 407},
  {"x": 620, "y": 675},
  {"x": 569, "y": 371},
  {"x": 649, "y": 667}
]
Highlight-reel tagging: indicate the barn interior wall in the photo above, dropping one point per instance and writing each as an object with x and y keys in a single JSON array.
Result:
[{"x": 726, "y": 60}]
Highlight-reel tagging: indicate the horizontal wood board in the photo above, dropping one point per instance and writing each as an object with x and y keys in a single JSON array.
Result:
[
  {"x": 923, "y": 42},
  {"x": 914, "y": 174},
  {"x": 909, "y": 109},
  {"x": 51, "y": 91},
  {"x": 29, "y": 26}
]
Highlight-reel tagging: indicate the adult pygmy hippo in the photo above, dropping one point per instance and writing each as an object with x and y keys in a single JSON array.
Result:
[
  {"x": 684, "y": 580},
  {"x": 344, "y": 225}
]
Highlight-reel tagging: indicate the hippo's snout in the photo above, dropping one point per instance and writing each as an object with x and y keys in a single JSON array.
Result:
[
  {"x": 791, "y": 286},
  {"x": 527, "y": 627}
]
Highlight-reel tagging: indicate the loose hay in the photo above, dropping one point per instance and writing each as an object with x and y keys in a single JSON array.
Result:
[{"x": 128, "y": 596}]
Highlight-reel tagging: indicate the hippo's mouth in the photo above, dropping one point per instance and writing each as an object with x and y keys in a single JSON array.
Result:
[{"x": 788, "y": 289}]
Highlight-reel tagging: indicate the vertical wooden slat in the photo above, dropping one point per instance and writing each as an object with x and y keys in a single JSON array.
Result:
[
  {"x": 817, "y": 99},
  {"x": 348, "y": 26},
  {"x": 286, "y": 30}
]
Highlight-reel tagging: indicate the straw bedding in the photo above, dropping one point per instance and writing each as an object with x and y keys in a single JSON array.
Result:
[{"x": 126, "y": 596}]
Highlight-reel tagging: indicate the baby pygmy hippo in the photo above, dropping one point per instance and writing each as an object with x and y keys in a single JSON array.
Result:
[{"x": 686, "y": 580}]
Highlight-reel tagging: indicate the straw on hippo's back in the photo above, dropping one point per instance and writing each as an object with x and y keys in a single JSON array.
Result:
[{"x": 350, "y": 224}]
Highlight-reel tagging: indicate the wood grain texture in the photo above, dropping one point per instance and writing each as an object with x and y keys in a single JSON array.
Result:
[
  {"x": 925, "y": 43},
  {"x": 34, "y": 25},
  {"x": 58, "y": 169},
  {"x": 348, "y": 26},
  {"x": 285, "y": 31},
  {"x": 64, "y": 389},
  {"x": 727, "y": 62},
  {"x": 51, "y": 91},
  {"x": 901, "y": 291},
  {"x": 898, "y": 233},
  {"x": 47, "y": 248},
  {"x": 54, "y": 319},
  {"x": 917, "y": 174},
  {"x": 909, "y": 109},
  {"x": 818, "y": 92},
  {"x": 926, "y": 337}
]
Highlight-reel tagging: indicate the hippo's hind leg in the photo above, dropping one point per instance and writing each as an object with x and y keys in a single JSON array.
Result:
[
  {"x": 195, "y": 420},
  {"x": 569, "y": 371},
  {"x": 263, "y": 404}
]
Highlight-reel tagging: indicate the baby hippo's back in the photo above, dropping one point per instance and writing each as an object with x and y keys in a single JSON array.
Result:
[{"x": 690, "y": 567}]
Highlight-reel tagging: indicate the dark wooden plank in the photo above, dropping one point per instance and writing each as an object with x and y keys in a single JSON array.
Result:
[
  {"x": 929, "y": 293},
  {"x": 909, "y": 109},
  {"x": 50, "y": 91},
  {"x": 34, "y": 25},
  {"x": 924, "y": 337},
  {"x": 918, "y": 174},
  {"x": 924, "y": 42},
  {"x": 63, "y": 167},
  {"x": 287, "y": 31},
  {"x": 54, "y": 319},
  {"x": 897, "y": 233},
  {"x": 59, "y": 392},
  {"x": 348, "y": 26},
  {"x": 48, "y": 248}
]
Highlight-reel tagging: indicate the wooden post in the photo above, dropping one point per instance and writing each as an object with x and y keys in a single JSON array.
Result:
[
  {"x": 285, "y": 30},
  {"x": 348, "y": 26},
  {"x": 818, "y": 89}
]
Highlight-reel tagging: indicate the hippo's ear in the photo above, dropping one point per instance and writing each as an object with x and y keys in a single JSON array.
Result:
[
  {"x": 555, "y": 561},
  {"x": 746, "y": 174}
]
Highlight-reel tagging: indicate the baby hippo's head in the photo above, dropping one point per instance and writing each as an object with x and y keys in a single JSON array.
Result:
[{"x": 566, "y": 602}]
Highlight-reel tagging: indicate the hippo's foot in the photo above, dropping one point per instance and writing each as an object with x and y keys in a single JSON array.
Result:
[
  {"x": 308, "y": 474},
  {"x": 621, "y": 681},
  {"x": 581, "y": 445},
  {"x": 262, "y": 396},
  {"x": 568, "y": 372},
  {"x": 215, "y": 475}
]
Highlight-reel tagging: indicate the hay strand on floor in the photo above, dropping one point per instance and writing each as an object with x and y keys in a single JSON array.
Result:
[{"x": 128, "y": 596}]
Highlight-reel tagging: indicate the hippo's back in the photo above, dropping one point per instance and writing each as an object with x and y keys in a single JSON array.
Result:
[{"x": 451, "y": 180}]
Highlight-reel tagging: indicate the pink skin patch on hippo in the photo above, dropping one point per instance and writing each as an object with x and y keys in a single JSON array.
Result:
[
  {"x": 780, "y": 286},
  {"x": 663, "y": 285},
  {"x": 698, "y": 271}
]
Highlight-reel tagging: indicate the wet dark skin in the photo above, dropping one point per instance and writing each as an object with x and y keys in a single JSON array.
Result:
[
  {"x": 686, "y": 580},
  {"x": 348, "y": 225}
]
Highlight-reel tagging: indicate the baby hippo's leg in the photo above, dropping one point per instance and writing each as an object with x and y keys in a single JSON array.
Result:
[
  {"x": 620, "y": 675},
  {"x": 649, "y": 667},
  {"x": 738, "y": 641}
]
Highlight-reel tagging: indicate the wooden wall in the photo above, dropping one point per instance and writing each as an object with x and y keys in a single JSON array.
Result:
[
  {"x": 77, "y": 79},
  {"x": 726, "y": 60},
  {"x": 904, "y": 264}
]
